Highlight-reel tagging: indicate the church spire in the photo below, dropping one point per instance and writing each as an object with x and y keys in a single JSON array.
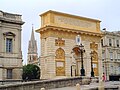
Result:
[
  {"x": 32, "y": 48},
  {"x": 32, "y": 34}
]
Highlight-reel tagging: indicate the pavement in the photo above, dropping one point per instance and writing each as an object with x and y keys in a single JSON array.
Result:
[{"x": 92, "y": 86}]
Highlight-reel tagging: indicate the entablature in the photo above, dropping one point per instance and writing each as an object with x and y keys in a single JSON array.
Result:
[{"x": 54, "y": 28}]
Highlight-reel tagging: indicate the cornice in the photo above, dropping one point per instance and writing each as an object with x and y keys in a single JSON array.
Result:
[
  {"x": 11, "y": 21},
  {"x": 117, "y": 33},
  {"x": 99, "y": 34}
]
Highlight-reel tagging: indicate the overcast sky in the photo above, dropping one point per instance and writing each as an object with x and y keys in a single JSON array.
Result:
[{"x": 108, "y": 11}]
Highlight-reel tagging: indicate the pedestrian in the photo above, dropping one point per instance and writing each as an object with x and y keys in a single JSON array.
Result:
[{"x": 104, "y": 77}]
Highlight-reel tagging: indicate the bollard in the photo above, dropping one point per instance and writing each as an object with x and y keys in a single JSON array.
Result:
[
  {"x": 78, "y": 86},
  {"x": 42, "y": 89},
  {"x": 101, "y": 85}
]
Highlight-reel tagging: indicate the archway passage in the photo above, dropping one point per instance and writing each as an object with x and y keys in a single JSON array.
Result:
[
  {"x": 60, "y": 62},
  {"x": 76, "y": 55}
]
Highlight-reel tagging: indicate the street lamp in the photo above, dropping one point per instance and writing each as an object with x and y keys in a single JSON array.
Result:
[
  {"x": 82, "y": 50},
  {"x": 92, "y": 71}
]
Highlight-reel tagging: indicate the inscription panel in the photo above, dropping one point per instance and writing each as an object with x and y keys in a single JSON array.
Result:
[
  {"x": 73, "y": 22},
  {"x": 60, "y": 64}
]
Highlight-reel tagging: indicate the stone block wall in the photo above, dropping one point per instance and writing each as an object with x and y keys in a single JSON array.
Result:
[{"x": 47, "y": 84}]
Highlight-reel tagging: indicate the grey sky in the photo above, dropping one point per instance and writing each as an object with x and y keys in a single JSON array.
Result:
[{"x": 105, "y": 10}]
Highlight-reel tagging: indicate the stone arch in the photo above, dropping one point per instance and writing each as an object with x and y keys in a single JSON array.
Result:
[{"x": 60, "y": 62}]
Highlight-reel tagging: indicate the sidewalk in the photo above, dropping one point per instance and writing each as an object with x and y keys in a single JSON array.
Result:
[
  {"x": 91, "y": 86},
  {"x": 82, "y": 87}
]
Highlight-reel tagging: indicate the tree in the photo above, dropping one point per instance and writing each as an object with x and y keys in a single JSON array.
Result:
[{"x": 30, "y": 72}]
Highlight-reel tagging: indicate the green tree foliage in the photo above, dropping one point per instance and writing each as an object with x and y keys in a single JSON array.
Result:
[{"x": 30, "y": 72}]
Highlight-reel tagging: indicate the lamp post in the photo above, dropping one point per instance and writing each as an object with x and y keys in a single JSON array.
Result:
[
  {"x": 82, "y": 50},
  {"x": 92, "y": 71}
]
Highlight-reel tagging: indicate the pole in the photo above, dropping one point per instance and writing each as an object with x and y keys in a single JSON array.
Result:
[
  {"x": 105, "y": 62},
  {"x": 82, "y": 67},
  {"x": 92, "y": 71},
  {"x": 71, "y": 70}
]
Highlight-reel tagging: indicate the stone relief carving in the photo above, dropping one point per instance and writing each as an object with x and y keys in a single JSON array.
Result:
[
  {"x": 60, "y": 54},
  {"x": 59, "y": 42},
  {"x": 95, "y": 56},
  {"x": 60, "y": 62},
  {"x": 93, "y": 46}
]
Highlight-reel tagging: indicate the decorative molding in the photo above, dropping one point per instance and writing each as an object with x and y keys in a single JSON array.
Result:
[
  {"x": 50, "y": 27},
  {"x": 60, "y": 54},
  {"x": 93, "y": 46},
  {"x": 59, "y": 42},
  {"x": 85, "y": 36},
  {"x": 9, "y": 34}
]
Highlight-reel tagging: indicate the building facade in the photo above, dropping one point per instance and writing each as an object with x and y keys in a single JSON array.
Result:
[
  {"x": 10, "y": 48},
  {"x": 60, "y": 33},
  {"x": 111, "y": 53},
  {"x": 32, "y": 50}
]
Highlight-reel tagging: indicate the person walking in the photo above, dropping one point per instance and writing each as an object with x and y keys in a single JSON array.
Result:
[{"x": 104, "y": 77}]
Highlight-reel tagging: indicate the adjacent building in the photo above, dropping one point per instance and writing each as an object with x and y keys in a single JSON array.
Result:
[
  {"x": 10, "y": 46},
  {"x": 32, "y": 50},
  {"x": 111, "y": 53},
  {"x": 61, "y": 34}
]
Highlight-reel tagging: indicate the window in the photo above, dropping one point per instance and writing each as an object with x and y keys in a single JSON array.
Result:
[
  {"x": 110, "y": 42},
  {"x": 9, "y": 73},
  {"x": 30, "y": 58},
  {"x": 118, "y": 56},
  {"x": 111, "y": 56},
  {"x": 103, "y": 56},
  {"x": 8, "y": 45},
  {"x": 103, "y": 68},
  {"x": 102, "y": 42},
  {"x": 111, "y": 69},
  {"x": 117, "y": 42},
  {"x": 119, "y": 69}
]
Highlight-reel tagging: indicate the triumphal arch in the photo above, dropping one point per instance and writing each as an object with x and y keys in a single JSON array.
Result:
[{"x": 60, "y": 33}]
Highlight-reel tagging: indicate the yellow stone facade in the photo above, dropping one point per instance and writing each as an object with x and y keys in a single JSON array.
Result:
[{"x": 58, "y": 33}]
